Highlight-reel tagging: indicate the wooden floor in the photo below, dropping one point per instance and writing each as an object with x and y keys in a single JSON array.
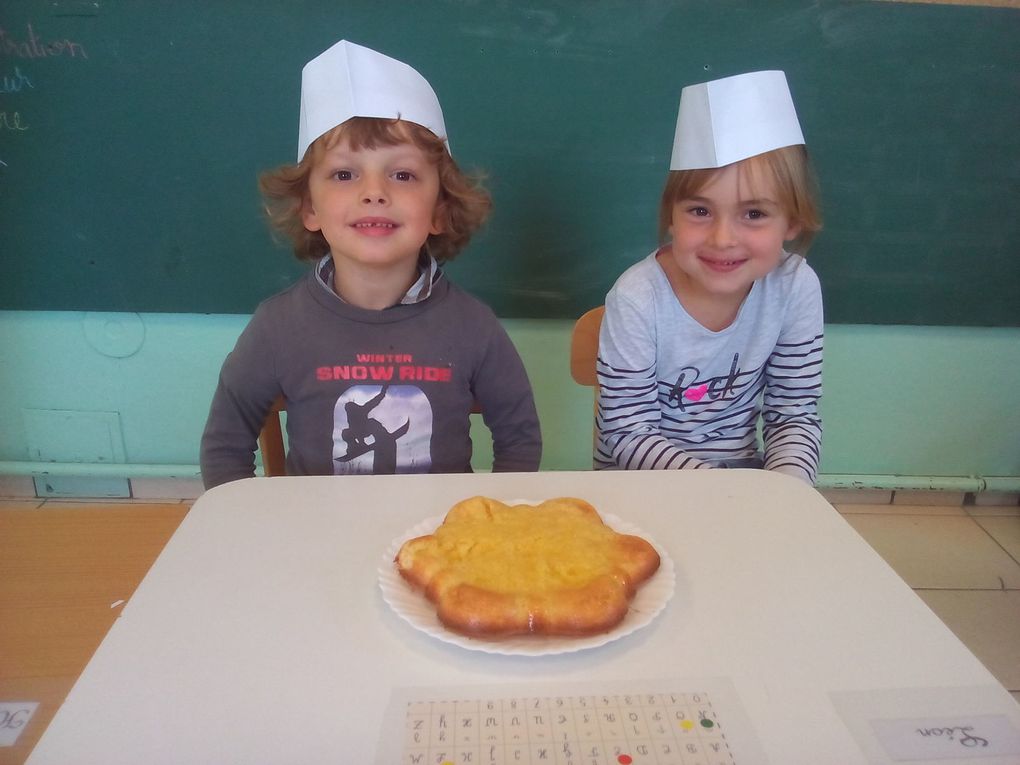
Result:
[
  {"x": 63, "y": 582},
  {"x": 61, "y": 591}
]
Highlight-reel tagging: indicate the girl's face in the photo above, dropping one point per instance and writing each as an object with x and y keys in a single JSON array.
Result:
[
  {"x": 375, "y": 207},
  {"x": 726, "y": 236}
]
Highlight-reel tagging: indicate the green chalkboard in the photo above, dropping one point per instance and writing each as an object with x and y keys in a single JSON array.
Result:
[{"x": 132, "y": 134}]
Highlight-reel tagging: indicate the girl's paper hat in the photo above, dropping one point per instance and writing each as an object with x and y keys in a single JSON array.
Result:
[
  {"x": 349, "y": 80},
  {"x": 727, "y": 120}
]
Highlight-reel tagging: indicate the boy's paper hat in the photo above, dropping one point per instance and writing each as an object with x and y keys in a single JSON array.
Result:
[
  {"x": 731, "y": 119},
  {"x": 349, "y": 80}
]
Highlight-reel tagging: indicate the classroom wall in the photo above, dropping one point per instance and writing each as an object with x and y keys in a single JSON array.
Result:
[
  {"x": 912, "y": 402},
  {"x": 915, "y": 231}
]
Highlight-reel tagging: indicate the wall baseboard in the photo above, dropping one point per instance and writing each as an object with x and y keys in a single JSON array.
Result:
[{"x": 155, "y": 481}]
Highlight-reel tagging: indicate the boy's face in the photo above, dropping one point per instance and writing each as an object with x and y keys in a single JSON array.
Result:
[
  {"x": 375, "y": 207},
  {"x": 729, "y": 234}
]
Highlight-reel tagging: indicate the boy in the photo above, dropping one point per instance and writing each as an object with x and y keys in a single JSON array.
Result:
[{"x": 379, "y": 358}]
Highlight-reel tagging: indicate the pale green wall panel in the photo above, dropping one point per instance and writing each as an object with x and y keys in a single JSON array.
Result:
[
  {"x": 162, "y": 391},
  {"x": 564, "y": 407},
  {"x": 898, "y": 400},
  {"x": 921, "y": 401}
]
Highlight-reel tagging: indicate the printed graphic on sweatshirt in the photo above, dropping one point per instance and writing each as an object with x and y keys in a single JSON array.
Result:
[
  {"x": 382, "y": 429},
  {"x": 690, "y": 388}
]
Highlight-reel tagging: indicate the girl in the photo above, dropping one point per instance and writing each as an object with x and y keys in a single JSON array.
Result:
[{"x": 721, "y": 326}]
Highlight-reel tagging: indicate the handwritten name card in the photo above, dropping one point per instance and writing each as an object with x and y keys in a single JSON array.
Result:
[
  {"x": 943, "y": 738},
  {"x": 14, "y": 717},
  {"x": 951, "y": 725}
]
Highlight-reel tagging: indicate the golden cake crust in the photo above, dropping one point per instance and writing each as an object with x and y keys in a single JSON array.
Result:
[{"x": 552, "y": 569}]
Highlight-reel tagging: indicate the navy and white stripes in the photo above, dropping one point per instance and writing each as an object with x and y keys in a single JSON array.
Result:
[{"x": 675, "y": 395}]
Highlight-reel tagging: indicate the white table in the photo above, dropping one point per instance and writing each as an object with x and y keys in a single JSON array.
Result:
[{"x": 260, "y": 634}]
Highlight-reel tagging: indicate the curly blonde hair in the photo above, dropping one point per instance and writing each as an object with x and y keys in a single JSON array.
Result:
[
  {"x": 789, "y": 169},
  {"x": 461, "y": 209}
]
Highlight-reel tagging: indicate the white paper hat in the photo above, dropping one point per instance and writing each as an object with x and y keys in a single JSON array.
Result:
[
  {"x": 349, "y": 80},
  {"x": 731, "y": 119}
]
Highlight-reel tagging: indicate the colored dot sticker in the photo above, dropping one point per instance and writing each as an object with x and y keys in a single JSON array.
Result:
[
  {"x": 624, "y": 759},
  {"x": 706, "y": 723},
  {"x": 686, "y": 724}
]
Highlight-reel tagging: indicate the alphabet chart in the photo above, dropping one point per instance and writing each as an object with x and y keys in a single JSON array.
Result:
[{"x": 635, "y": 726}]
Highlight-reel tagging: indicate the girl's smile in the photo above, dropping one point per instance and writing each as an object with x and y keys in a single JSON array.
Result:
[{"x": 722, "y": 266}]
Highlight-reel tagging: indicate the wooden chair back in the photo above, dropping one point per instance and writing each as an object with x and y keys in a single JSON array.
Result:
[
  {"x": 584, "y": 347},
  {"x": 274, "y": 457},
  {"x": 584, "y": 350}
]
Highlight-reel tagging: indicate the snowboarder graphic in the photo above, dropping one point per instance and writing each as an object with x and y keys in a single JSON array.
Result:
[{"x": 371, "y": 427}]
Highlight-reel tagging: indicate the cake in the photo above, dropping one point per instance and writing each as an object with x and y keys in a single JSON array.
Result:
[{"x": 555, "y": 568}]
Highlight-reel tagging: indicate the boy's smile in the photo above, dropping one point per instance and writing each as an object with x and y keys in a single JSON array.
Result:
[
  {"x": 375, "y": 208},
  {"x": 375, "y": 226}
]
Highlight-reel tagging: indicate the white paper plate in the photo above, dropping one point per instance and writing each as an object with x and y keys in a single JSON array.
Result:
[{"x": 420, "y": 613}]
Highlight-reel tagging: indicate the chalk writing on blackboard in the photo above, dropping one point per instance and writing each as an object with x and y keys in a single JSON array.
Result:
[
  {"x": 12, "y": 121},
  {"x": 14, "y": 82},
  {"x": 31, "y": 46},
  {"x": 27, "y": 47}
]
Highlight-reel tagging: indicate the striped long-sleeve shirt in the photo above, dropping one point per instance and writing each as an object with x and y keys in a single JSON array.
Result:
[{"x": 673, "y": 394}]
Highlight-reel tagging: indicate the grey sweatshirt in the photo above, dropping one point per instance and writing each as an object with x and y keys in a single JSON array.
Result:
[{"x": 371, "y": 391}]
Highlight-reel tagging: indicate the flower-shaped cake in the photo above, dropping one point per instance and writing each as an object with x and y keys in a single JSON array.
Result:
[{"x": 550, "y": 569}]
